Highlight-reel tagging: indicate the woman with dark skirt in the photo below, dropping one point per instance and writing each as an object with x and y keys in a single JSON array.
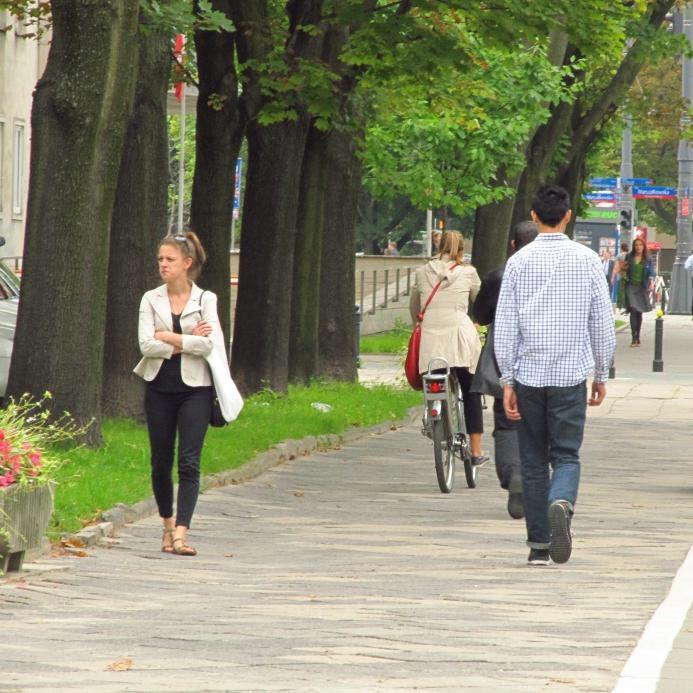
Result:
[{"x": 638, "y": 273}]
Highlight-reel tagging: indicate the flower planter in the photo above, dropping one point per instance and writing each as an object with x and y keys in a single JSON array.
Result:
[{"x": 25, "y": 512}]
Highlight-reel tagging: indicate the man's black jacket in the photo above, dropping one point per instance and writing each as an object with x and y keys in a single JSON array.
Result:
[{"x": 487, "y": 298}]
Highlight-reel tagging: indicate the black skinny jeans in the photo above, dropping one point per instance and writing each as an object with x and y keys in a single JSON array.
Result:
[
  {"x": 635, "y": 323},
  {"x": 187, "y": 413}
]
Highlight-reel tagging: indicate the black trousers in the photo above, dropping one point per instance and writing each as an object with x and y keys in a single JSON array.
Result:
[
  {"x": 507, "y": 451},
  {"x": 185, "y": 413},
  {"x": 635, "y": 323},
  {"x": 473, "y": 413}
]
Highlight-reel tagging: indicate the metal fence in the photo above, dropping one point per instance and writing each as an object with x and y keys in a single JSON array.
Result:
[{"x": 379, "y": 288}]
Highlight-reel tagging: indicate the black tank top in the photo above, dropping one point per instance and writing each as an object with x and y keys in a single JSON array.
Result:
[{"x": 169, "y": 379}]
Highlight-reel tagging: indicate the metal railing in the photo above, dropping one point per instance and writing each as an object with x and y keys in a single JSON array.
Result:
[{"x": 379, "y": 289}]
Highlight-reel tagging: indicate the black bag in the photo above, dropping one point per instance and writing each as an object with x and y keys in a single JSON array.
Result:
[
  {"x": 217, "y": 418},
  {"x": 486, "y": 379}
]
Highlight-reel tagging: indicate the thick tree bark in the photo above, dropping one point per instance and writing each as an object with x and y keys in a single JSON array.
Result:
[
  {"x": 260, "y": 356},
  {"x": 338, "y": 350},
  {"x": 262, "y": 327},
  {"x": 79, "y": 118},
  {"x": 305, "y": 298},
  {"x": 572, "y": 181},
  {"x": 139, "y": 222},
  {"x": 220, "y": 129},
  {"x": 540, "y": 156},
  {"x": 492, "y": 233}
]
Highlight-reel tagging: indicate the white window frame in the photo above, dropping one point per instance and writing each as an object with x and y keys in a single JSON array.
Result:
[
  {"x": 5, "y": 21},
  {"x": 23, "y": 28},
  {"x": 18, "y": 164}
]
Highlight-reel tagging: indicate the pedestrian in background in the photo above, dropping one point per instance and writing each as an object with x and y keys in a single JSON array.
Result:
[
  {"x": 637, "y": 276},
  {"x": 506, "y": 453},
  {"x": 447, "y": 329},
  {"x": 177, "y": 330},
  {"x": 617, "y": 276},
  {"x": 554, "y": 327}
]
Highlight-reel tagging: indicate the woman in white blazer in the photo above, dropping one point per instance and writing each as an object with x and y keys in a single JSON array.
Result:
[
  {"x": 174, "y": 338},
  {"x": 447, "y": 330}
]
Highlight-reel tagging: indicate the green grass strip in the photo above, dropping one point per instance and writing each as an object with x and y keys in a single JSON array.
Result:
[
  {"x": 119, "y": 471},
  {"x": 392, "y": 342}
]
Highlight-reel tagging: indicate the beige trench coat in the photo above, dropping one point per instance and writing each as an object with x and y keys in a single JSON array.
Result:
[{"x": 446, "y": 330}]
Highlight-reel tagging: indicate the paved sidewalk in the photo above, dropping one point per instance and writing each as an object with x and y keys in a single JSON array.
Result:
[{"x": 349, "y": 571}]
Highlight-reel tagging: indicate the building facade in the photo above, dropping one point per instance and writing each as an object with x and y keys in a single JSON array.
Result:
[{"x": 22, "y": 61}]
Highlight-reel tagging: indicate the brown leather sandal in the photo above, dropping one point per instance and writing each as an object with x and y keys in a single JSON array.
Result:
[
  {"x": 167, "y": 548},
  {"x": 182, "y": 549}
]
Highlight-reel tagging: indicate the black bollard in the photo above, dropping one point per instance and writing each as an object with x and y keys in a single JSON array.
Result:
[{"x": 658, "y": 363}]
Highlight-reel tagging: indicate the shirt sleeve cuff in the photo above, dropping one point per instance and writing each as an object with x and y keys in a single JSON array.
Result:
[
  {"x": 601, "y": 377},
  {"x": 509, "y": 382}
]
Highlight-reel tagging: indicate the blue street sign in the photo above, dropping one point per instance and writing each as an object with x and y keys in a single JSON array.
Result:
[
  {"x": 600, "y": 196},
  {"x": 653, "y": 191},
  {"x": 603, "y": 182},
  {"x": 637, "y": 181},
  {"x": 237, "y": 189}
]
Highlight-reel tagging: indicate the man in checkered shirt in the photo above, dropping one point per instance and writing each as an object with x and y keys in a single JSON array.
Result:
[{"x": 554, "y": 328}]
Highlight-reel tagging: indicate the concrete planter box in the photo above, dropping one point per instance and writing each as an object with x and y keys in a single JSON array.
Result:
[{"x": 25, "y": 512}]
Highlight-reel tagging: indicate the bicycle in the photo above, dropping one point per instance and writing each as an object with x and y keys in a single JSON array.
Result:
[{"x": 443, "y": 422}]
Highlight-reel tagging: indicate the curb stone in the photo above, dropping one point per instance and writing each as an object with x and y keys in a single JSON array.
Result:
[{"x": 121, "y": 514}]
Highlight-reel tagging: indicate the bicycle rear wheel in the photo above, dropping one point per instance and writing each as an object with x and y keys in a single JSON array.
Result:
[{"x": 444, "y": 455}]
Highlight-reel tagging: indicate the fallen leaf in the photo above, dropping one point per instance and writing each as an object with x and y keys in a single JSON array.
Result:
[
  {"x": 122, "y": 664},
  {"x": 72, "y": 542},
  {"x": 298, "y": 494},
  {"x": 228, "y": 555}
]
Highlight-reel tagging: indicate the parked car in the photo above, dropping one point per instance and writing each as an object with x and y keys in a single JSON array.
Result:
[{"x": 9, "y": 302}]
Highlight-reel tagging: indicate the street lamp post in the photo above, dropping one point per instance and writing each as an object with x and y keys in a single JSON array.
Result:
[{"x": 681, "y": 290}]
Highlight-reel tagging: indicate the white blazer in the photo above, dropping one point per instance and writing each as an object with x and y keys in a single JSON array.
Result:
[{"x": 155, "y": 315}]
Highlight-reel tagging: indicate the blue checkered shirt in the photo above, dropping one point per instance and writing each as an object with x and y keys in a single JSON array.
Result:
[{"x": 554, "y": 323}]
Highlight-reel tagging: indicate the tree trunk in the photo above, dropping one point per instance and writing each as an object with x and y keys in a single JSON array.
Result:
[
  {"x": 305, "y": 298},
  {"x": 262, "y": 327},
  {"x": 139, "y": 222},
  {"x": 219, "y": 134},
  {"x": 572, "y": 181},
  {"x": 492, "y": 233},
  {"x": 260, "y": 355},
  {"x": 337, "y": 337},
  {"x": 541, "y": 152},
  {"x": 79, "y": 118}
]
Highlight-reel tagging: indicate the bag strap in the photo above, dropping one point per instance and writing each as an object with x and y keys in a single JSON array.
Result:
[{"x": 433, "y": 293}]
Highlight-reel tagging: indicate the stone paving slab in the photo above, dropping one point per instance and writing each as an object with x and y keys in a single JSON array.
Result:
[{"x": 349, "y": 571}]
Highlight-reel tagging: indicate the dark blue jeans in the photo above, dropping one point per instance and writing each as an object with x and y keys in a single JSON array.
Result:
[{"x": 550, "y": 435}]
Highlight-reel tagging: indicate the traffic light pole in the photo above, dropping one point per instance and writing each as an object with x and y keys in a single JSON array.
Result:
[
  {"x": 681, "y": 291},
  {"x": 626, "y": 203}
]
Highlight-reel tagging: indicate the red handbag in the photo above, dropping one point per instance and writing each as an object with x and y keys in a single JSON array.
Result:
[{"x": 411, "y": 362}]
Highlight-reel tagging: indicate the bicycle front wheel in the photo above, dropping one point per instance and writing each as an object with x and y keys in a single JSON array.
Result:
[
  {"x": 469, "y": 468},
  {"x": 444, "y": 456}
]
